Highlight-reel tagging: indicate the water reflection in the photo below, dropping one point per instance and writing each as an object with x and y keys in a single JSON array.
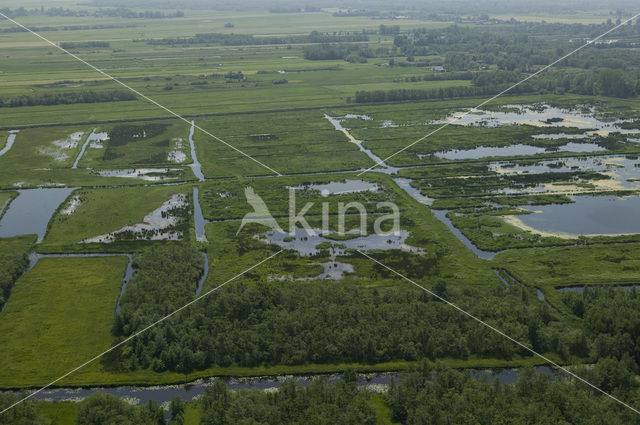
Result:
[
  {"x": 31, "y": 211},
  {"x": 305, "y": 243}
]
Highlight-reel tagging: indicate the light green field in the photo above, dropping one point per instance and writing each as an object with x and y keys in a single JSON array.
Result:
[
  {"x": 62, "y": 306},
  {"x": 296, "y": 142},
  {"x": 565, "y": 266},
  {"x": 350, "y": 89},
  {"x": 103, "y": 211}
]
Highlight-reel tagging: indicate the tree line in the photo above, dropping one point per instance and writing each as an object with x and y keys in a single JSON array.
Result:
[
  {"x": 603, "y": 82},
  {"x": 248, "y": 39},
  {"x": 67, "y": 98},
  {"x": 117, "y": 12},
  {"x": 348, "y": 52},
  {"x": 84, "y": 44}
]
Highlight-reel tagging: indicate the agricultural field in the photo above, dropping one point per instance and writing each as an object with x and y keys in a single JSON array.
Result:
[{"x": 263, "y": 212}]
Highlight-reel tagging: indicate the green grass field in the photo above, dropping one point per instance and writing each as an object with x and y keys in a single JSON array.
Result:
[{"x": 62, "y": 306}]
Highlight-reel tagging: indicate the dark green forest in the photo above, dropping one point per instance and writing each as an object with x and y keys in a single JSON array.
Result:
[{"x": 269, "y": 323}]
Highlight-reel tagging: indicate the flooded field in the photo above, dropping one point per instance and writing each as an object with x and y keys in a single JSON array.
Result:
[
  {"x": 333, "y": 270},
  {"x": 31, "y": 211},
  {"x": 146, "y": 174},
  {"x": 60, "y": 149},
  {"x": 337, "y": 188},
  {"x": 543, "y": 116},
  {"x": 305, "y": 243},
  {"x": 157, "y": 225},
  {"x": 624, "y": 171},
  {"x": 514, "y": 150},
  {"x": 94, "y": 141}
]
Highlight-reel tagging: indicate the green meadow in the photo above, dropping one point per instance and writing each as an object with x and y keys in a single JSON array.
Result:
[{"x": 63, "y": 306}]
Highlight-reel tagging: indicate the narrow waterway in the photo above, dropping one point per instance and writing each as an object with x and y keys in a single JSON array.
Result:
[
  {"x": 374, "y": 382},
  {"x": 379, "y": 165},
  {"x": 195, "y": 166},
  {"x": 442, "y": 216},
  {"x": 198, "y": 219},
  {"x": 205, "y": 273},
  {"x": 93, "y": 137},
  {"x": 10, "y": 141}
]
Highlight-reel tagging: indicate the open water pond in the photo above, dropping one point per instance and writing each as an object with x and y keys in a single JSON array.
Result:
[
  {"x": 588, "y": 215},
  {"x": 31, "y": 211},
  {"x": 514, "y": 150}
]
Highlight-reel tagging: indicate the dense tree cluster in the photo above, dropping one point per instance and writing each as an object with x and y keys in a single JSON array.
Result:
[
  {"x": 522, "y": 46},
  {"x": 25, "y": 413},
  {"x": 166, "y": 278},
  {"x": 248, "y": 39},
  {"x": 67, "y": 98},
  {"x": 605, "y": 82},
  {"x": 611, "y": 319},
  {"x": 101, "y": 409},
  {"x": 348, "y": 52},
  {"x": 251, "y": 324},
  {"x": 84, "y": 44},
  {"x": 321, "y": 402},
  {"x": 114, "y": 12},
  {"x": 452, "y": 397},
  {"x": 399, "y": 95},
  {"x": 66, "y": 28}
]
